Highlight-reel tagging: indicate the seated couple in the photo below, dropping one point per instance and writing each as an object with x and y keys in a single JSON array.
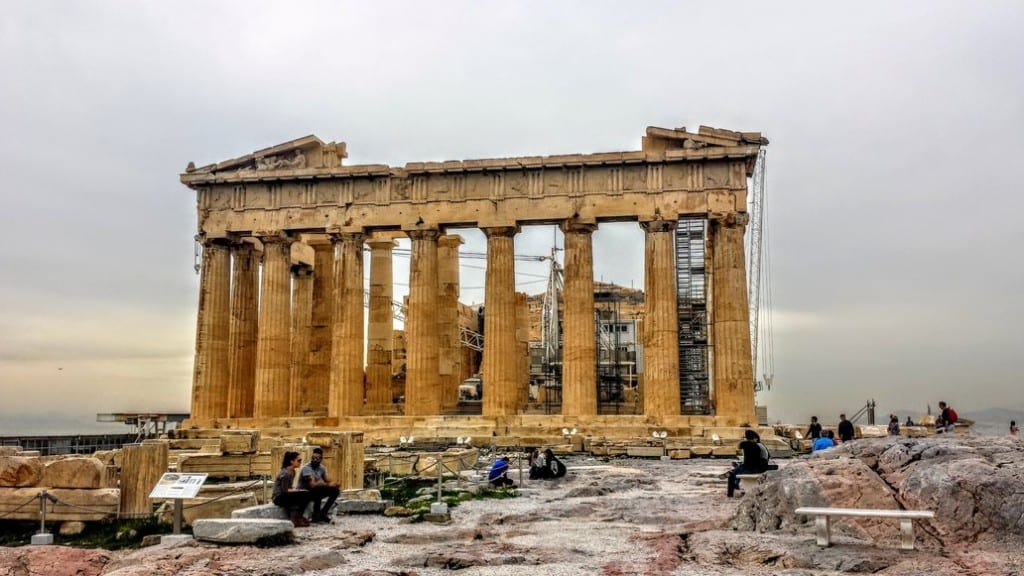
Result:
[
  {"x": 544, "y": 465},
  {"x": 313, "y": 486}
]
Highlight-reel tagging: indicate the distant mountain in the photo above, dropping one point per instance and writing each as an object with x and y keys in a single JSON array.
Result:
[
  {"x": 53, "y": 423},
  {"x": 993, "y": 421}
]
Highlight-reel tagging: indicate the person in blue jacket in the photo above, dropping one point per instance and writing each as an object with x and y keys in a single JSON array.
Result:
[
  {"x": 498, "y": 476},
  {"x": 824, "y": 442}
]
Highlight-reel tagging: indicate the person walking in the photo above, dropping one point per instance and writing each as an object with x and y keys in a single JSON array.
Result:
[
  {"x": 1013, "y": 428},
  {"x": 814, "y": 430}
]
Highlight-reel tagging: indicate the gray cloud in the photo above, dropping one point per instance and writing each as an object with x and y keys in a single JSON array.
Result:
[{"x": 892, "y": 195}]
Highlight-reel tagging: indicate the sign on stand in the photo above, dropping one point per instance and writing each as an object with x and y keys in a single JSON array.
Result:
[{"x": 178, "y": 486}]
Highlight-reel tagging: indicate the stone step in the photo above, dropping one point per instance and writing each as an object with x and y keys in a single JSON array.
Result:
[{"x": 239, "y": 530}]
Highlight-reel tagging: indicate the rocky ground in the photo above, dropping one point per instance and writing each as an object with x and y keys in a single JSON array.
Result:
[{"x": 653, "y": 518}]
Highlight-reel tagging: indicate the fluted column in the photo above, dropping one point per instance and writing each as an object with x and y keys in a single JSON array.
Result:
[
  {"x": 321, "y": 321},
  {"x": 733, "y": 370},
  {"x": 302, "y": 317},
  {"x": 242, "y": 338},
  {"x": 347, "y": 351},
  {"x": 422, "y": 384},
  {"x": 579, "y": 369},
  {"x": 380, "y": 328},
  {"x": 273, "y": 345},
  {"x": 449, "y": 357},
  {"x": 210, "y": 372},
  {"x": 522, "y": 351},
  {"x": 499, "y": 369},
  {"x": 661, "y": 320}
]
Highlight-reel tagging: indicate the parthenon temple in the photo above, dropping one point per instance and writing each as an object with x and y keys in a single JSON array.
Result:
[{"x": 281, "y": 336}]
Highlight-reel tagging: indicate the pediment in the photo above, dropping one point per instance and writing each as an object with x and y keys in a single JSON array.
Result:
[
  {"x": 706, "y": 136},
  {"x": 299, "y": 154}
]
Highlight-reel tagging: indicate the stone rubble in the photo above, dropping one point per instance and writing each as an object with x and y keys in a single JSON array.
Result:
[{"x": 653, "y": 518}]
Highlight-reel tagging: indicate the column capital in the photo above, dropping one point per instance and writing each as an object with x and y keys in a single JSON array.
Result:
[
  {"x": 734, "y": 220},
  {"x": 346, "y": 236},
  {"x": 425, "y": 234},
  {"x": 207, "y": 241},
  {"x": 378, "y": 243},
  {"x": 659, "y": 225},
  {"x": 576, "y": 226},
  {"x": 500, "y": 231},
  {"x": 450, "y": 240},
  {"x": 274, "y": 237}
]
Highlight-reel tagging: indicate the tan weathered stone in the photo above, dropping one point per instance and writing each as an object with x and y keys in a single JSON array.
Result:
[
  {"x": 579, "y": 377},
  {"x": 210, "y": 376},
  {"x": 380, "y": 326},
  {"x": 300, "y": 190},
  {"x": 347, "y": 394},
  {"x": 20, "y": 471},
  {"x": 273, "y": 346},
  {"x": 142, "y": 465},
  {"x": 679, "y": 454},
  {"x": 734, "y": 372},
  {"x": 82, "y": 472},
  {"x": 422, "y": 385},
  {"x": 9, "y": 450},
  {"x": 343, "y": 456},
  {"x": 661, "y": 321},
  {"x": 321, "y": 327},
  {"x": 72, "y": 504},
  {"x": 217, "y": 465},
  {"x": 239, "y": 441},
  {"x": 499, "y": 364},
  {"x": 302, "y": 319},
  {"x": 242, "y": 332},
  {"x": 449, "y": 359}
]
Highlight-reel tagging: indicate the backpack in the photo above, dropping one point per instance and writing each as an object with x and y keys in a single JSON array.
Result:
[{"x": 952, "y": 417}]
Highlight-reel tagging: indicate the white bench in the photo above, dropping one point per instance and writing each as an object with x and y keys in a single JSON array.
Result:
[
  {"x": 747, "y": 481},
  {"x": 906, "y": 518}
]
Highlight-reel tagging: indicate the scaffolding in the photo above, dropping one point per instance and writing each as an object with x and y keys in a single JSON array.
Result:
[{"x": 691, "y": 286}]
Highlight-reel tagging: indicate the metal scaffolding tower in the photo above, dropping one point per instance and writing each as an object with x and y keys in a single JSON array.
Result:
[{"x": 691, "y": 286}]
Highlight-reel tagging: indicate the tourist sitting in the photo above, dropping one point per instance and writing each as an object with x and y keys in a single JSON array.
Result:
[
  {"x": 293, "y": 500},
  {"x": 498, "y": 476},
  {"x": 825, "y": 442},
  {"x": 894, "y": 425},
  {"x": 755, "y": 460},
  {"x": 313, "y": 477},
  {"x": 555, "y": 467},
  {"x": 538, "y": 465}
]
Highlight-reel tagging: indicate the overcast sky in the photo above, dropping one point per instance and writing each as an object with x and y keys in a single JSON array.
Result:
[{"x": 894, "y": 202}]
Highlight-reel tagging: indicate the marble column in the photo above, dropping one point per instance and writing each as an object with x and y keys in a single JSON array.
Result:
[
  {"x": 579, "y": 368},
  {"x": 522, "y": 351},
  {"x": 733, "y": 370},
  {"x": 273, "y": 345},
  {"x": 449, "y": 357},
  {"x": 321, "y": 320},
  {"x": 302, "y": 318},
  {"x": 499, "y": 364},
  {"x": 242, "y": 338},
  {"x": 380, "y": 328},
  {"x": 347, "y": 351},
  {"x": 422, "y": 384},
  {"x": 210, "y": 371},
  {"x": 661, "y": 320}
]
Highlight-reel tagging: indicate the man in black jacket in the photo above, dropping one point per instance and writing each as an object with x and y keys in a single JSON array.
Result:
[
  {"x": 755, "y": 460},
  {"x": 845, "y": 429}
]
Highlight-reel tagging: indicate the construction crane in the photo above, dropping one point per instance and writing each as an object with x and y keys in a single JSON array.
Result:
[{"x": 759, "y": 288}]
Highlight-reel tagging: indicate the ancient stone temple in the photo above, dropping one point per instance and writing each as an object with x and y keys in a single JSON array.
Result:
[{"x": 281, "y": 337}]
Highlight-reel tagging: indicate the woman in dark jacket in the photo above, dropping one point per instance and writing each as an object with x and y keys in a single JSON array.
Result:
[{"x": 291, "y": 499}]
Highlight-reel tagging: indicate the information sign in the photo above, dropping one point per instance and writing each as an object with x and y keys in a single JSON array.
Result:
[{"x": 177, "y": 485}]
